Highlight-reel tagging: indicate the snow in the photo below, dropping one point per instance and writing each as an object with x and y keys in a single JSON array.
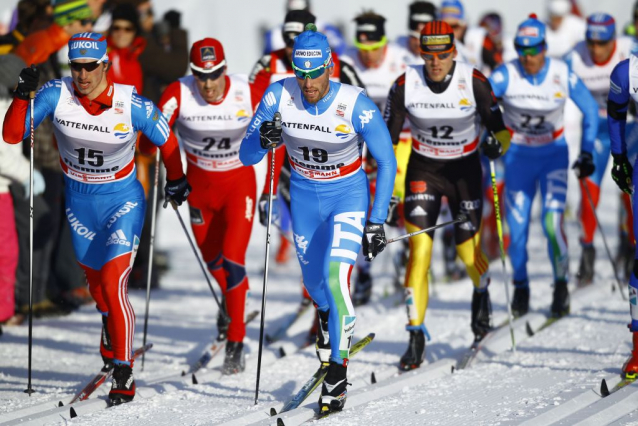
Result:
[{"x": 555, "y": 374}]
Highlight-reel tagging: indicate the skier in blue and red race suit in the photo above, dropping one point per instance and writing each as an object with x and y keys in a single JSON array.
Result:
[
  {"x": 622, "y": 89},
  {"x": 533, "y": 90},
  {"x": 95, "y": 123},
  {"x": 324, "y": 126}
]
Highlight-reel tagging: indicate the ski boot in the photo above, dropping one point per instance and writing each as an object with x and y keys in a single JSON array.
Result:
[
  {"x": 585, "y": 274},
  {"x": 123, "y": 386},
  {"x": 625, "y": 256},
  {"x": 520, "y": 301},
  {"x": 222, "y": 323},
  {"x": 415, "y": 354},
  {"x": 333, "y": 391},
  {"x": 235, "y": 361},
  {"x": 106, "y": 350},
  {"x": 630, "y": 368},
  {"x": 560, "y": 303},
  {"x": 481, "y": 314},
  {"x": 362, "y": 289},
  {"x": 322, "y": 345}
]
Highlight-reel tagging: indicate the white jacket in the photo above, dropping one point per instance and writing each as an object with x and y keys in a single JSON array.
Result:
[{"x": 13, "y": 165}]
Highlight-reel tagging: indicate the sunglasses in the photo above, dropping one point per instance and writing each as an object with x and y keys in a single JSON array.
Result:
[
  {"x": 203, "y": 76},
  {"x": 313, "y": 73},
  {"x": 87, "y": 21},
  {"x": 598, "y": 42},
  {"x": 87, "y": 66},
  {"x": 372, "y": 46},
  {"x": 429, "y": 56},
  {"x": 529, "y": 50},
  {"x": 120, "y": 28}
]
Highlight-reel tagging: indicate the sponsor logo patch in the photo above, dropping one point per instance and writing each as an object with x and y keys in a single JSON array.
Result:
[{"x": 418, "y": 186}]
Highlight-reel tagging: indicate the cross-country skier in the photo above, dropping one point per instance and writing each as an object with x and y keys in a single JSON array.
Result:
[
  {"x": 211, "y": 111},
  {"x": 623, "y": 88},
  {"x": 324, "y": 126},
  {"x": 592, "y": 61},
  {"x": 533, "y": 90},
  {"x": 96, "y": 123},
  {"x": 446, "y": 102}
]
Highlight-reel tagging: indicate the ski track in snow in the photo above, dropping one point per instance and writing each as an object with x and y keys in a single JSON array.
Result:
[{"x": 548, "y": 369}]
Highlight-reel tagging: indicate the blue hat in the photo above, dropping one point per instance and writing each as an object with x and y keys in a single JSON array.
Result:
[
  {"x": 531, "y": 32},
  {"x": 452, "y": 9},
  {"x": 88, "y": 46},
  {"x": 600, "y": 27},
  {"x": 311, "y": 50}
]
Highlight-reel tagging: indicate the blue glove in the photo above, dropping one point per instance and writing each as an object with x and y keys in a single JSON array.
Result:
[{"x": 38, "y": 185}]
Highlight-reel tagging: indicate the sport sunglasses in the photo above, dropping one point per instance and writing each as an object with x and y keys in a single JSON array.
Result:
[
  {"x": 313, "y": 73},
  {"x": 87, "y": 66},
  {"x": 429, "y": 56},
  {"x": 203, "y": 76},
  {"x": 372, "y": 46},
  {"x": 529, "y": 50}
]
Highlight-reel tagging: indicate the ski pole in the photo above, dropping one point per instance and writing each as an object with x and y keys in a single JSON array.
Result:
[
  {"x": 602, "y": 234},
  {"x": 201, "y": 263},
  {"x": 150, "y": 253},
  {"x": 459, "y": 219},
  {"x": 277, "y": 119},
  {"x": 29, "y": 390},
  {"x": 499, "y": 228}
]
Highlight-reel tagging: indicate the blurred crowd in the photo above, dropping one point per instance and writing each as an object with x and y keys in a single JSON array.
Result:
[{"x": 150, "y": 52}]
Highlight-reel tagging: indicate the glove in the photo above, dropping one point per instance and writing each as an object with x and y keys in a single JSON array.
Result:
[
  {"x": 263, "y": 209},
  {"x": 39, "y": 185},
  {"x": 393, "y": 211},
  {"x": 622, "y": 173},
  {"x": 492, "y": 148},
  {"x": 27, "y": 82},
  {"x": 373, "y": 240},
  {"x": 584, "y": 165},
  {"x": 269, "y": 134},
  {"x": 176, "y": 191}
]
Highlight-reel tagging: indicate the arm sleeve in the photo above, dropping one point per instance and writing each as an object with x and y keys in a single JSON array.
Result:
[
  {"x": 169, "y": 105},
  {"x": 499, "y": 81},
  {"x": 17, "y": 121},
  {"x": 395, "y": 111},
  {"x": 377, "y": 138},
  {"x": 349, "y": 75},
  {"x": 260, "y": 75},
  {"x": 156, "y": 129},
  {"x": 584, "y": 100},
  {"x": 617, "y": 106},
  {"x": 486, "y": 104},
  {"x": 250, "y": 151}
]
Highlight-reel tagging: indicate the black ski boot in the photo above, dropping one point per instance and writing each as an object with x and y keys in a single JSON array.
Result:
[
  {"x": 560, "y": 303},
  {"x": 415, "y": 354},
  {"x": 322, "y": 345},
  {"x": 235, "y": 361},
  {"x": 123, "y": 387},
  {"x": 222, "y": 322},
  {"x": 333, "y": 391},
  {"x": 362, "y": 289},
  {"x": 106, "y": 350},
  {"x": 520, "y": 301},
  {"x": 585, "y": 274},
  {"x": 481, "y": 314}
]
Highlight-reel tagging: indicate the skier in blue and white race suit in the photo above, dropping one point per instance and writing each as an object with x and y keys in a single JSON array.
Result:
[
  {"x": 325, "y": 124},
  {"x": 533, "y": 90},
  {"x": 624, "y": 88}
]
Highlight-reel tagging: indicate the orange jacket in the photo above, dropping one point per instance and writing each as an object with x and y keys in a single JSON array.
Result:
[{"x": 37, "y": 47}]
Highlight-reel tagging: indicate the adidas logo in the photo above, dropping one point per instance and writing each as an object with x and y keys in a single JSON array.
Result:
[
  {"x": 418, "y": 211},
  {"x": 118, "y": 237}
]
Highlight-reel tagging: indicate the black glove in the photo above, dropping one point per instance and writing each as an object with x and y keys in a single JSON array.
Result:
[
  {"x": 176, "y": 191},
  {"x": 584, "y": 165},
  {"x": 393, "y": 211},
  {"x": 622, "y": 173},
  {"x": 270, "y": 134},
  {"x": 263, "y": 209},
  {"x": 373, "y": 240},
  {"x": 492, "y": 148},
  {"x": 27, "y": 82}
]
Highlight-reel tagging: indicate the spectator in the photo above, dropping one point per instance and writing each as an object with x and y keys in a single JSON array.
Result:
[{"x": 125, "y": 46}]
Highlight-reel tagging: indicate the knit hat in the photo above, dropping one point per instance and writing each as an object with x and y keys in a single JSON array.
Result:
[
  {"x": 437, "y": 37},
  {"x": 452, "y": 9},
  {"x": 311, "y": 50},
  {"x": 88, "y": 46},
  {"x": 295, "y": 23},
  {"x": 420, "y": 13},
  {"x": 601, "y": 27},
  {"x": 531, "y": 32},
  {"x": 67, "y": 11},
  {"x": 126, "y": 12}
]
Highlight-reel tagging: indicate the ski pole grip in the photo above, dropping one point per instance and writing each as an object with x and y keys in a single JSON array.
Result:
[
  {"x": 277, "y": 120},
  {"x": 32, "y": 93}
]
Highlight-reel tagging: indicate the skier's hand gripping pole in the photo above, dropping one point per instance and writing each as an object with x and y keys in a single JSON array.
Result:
[
  {"x": 499, "y": 228},
  {"x": 276, "y": 129},
  {"x": 459, "y": 219}
]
